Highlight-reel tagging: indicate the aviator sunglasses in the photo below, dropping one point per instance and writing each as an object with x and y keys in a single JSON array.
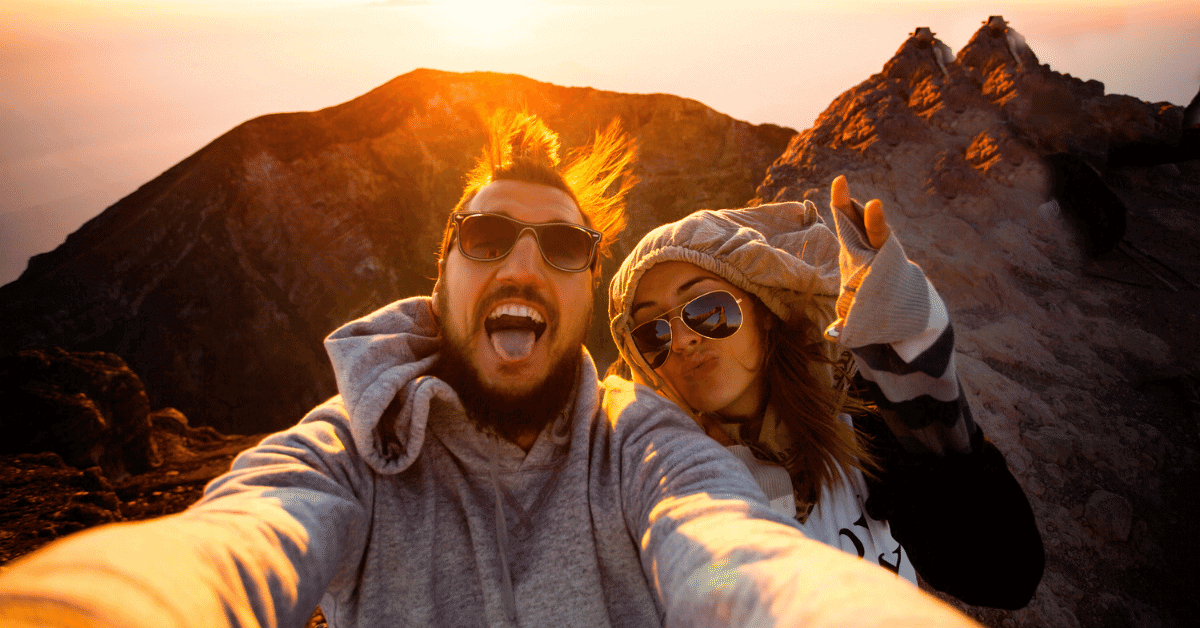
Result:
[
  {"x": 714, "y": 315},
  {"x": 491, "y": 237}
]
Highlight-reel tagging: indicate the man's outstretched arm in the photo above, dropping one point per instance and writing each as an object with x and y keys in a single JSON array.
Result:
[{"x": 258, "y": 550}]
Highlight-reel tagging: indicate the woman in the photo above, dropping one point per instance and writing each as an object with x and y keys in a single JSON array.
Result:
[{"x": 772, "y": 331}]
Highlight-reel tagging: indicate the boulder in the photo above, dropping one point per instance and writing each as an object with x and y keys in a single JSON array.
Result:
[{"x": 88, "y": 407}]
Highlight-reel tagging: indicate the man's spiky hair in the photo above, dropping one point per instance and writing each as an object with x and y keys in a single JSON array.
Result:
[{"x": 520, "y": 147}]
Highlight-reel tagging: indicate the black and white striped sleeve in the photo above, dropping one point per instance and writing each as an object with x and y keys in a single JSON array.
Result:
[{"x": 896, "y": 325}]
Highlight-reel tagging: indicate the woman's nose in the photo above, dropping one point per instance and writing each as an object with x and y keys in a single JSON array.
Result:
[{"x": 682, "y": 336}]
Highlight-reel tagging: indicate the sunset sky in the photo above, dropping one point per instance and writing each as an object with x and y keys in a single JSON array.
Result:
[{"x": 98, "y": 97}]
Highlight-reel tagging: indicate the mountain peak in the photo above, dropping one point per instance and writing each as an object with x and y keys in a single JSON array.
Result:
[{"x": 219, "y": 279}]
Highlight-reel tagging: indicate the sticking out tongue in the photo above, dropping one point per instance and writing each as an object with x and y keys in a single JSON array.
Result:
[{"x": 513, "y": 344}]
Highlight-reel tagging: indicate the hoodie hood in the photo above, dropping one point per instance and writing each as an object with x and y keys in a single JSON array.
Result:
[
  {"x": 782, "y": 253},
  {"x": 375, "y": 357},
  {"x": 387, "y": 355}
]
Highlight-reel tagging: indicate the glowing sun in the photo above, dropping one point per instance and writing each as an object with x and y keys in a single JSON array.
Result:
[{"x": 484, "y": 23}]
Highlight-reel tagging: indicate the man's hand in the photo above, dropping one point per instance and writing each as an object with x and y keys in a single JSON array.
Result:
[{"x": 871, "y": 220}]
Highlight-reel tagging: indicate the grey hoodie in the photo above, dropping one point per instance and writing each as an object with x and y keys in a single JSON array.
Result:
[{"x": 623, "y": 513}]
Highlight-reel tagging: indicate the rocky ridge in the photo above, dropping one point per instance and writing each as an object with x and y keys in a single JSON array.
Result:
[{"x": 1082, "y": 368}]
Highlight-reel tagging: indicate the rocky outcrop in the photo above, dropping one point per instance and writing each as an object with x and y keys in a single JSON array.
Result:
[
  {"x": 1074, "y": 363},
  {"x": 81, "y": 449},
  {"x": 218, "y": 280},
  {"x": 89, "y": 408}
]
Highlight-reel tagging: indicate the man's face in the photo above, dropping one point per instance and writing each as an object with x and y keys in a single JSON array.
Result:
[{"x": 515, "y": 358}]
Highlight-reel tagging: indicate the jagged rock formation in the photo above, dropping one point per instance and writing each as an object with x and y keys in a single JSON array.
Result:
[
  {"x": 218, "y": 280},
  {"x": 1083, "y": 371}
]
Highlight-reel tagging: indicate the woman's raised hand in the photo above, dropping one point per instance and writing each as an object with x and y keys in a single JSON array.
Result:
[{"x": 871, "y": 221}]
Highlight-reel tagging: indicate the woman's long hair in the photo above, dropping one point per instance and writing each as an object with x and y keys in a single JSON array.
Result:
[{"x": 798, "y": 372}]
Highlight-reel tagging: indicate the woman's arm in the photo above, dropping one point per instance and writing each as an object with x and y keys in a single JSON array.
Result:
[
  {"x": 945, "y": 490},
  {"x": 963, "y": 519}
]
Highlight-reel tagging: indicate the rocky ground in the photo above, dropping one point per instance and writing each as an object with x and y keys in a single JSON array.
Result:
[{"x": 42, "y": 498}]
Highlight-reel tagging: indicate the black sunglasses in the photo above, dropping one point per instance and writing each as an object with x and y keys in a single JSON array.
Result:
[
  {"x": 491, "y": 237},
  {"x": 713, "y": 315}
]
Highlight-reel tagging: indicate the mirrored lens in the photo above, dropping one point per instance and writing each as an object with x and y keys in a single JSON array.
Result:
[
  {"x": 714, "y": 315},
  {"x": 652, "y": 336}
]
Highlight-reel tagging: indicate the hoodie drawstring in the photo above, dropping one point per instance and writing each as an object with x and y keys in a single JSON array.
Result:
[
  {"x": 560, "y": 434},
  {"x": 509, "y": 597}
]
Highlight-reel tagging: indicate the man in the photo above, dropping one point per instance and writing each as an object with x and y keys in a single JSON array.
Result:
[{"x": 473, "y": 471}]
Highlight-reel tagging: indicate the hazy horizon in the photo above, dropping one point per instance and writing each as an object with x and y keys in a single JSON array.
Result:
[{"x": 101, "y": 97}]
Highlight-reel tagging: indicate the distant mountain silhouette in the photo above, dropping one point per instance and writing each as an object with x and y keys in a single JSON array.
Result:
[{"x": 217, "y": 280}]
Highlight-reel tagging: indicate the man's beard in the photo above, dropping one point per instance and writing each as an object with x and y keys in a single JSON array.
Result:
[{"x": 507, "y": 414}]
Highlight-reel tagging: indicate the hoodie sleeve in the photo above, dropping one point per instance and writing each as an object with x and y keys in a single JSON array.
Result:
[
  {"x": 896, "y": 325},
  {"x": 259, "y": 549},
  {"x": 716, "y": 552}
]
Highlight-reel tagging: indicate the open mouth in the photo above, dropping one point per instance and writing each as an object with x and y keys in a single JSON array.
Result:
[{"x": 513, "y": 330}]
